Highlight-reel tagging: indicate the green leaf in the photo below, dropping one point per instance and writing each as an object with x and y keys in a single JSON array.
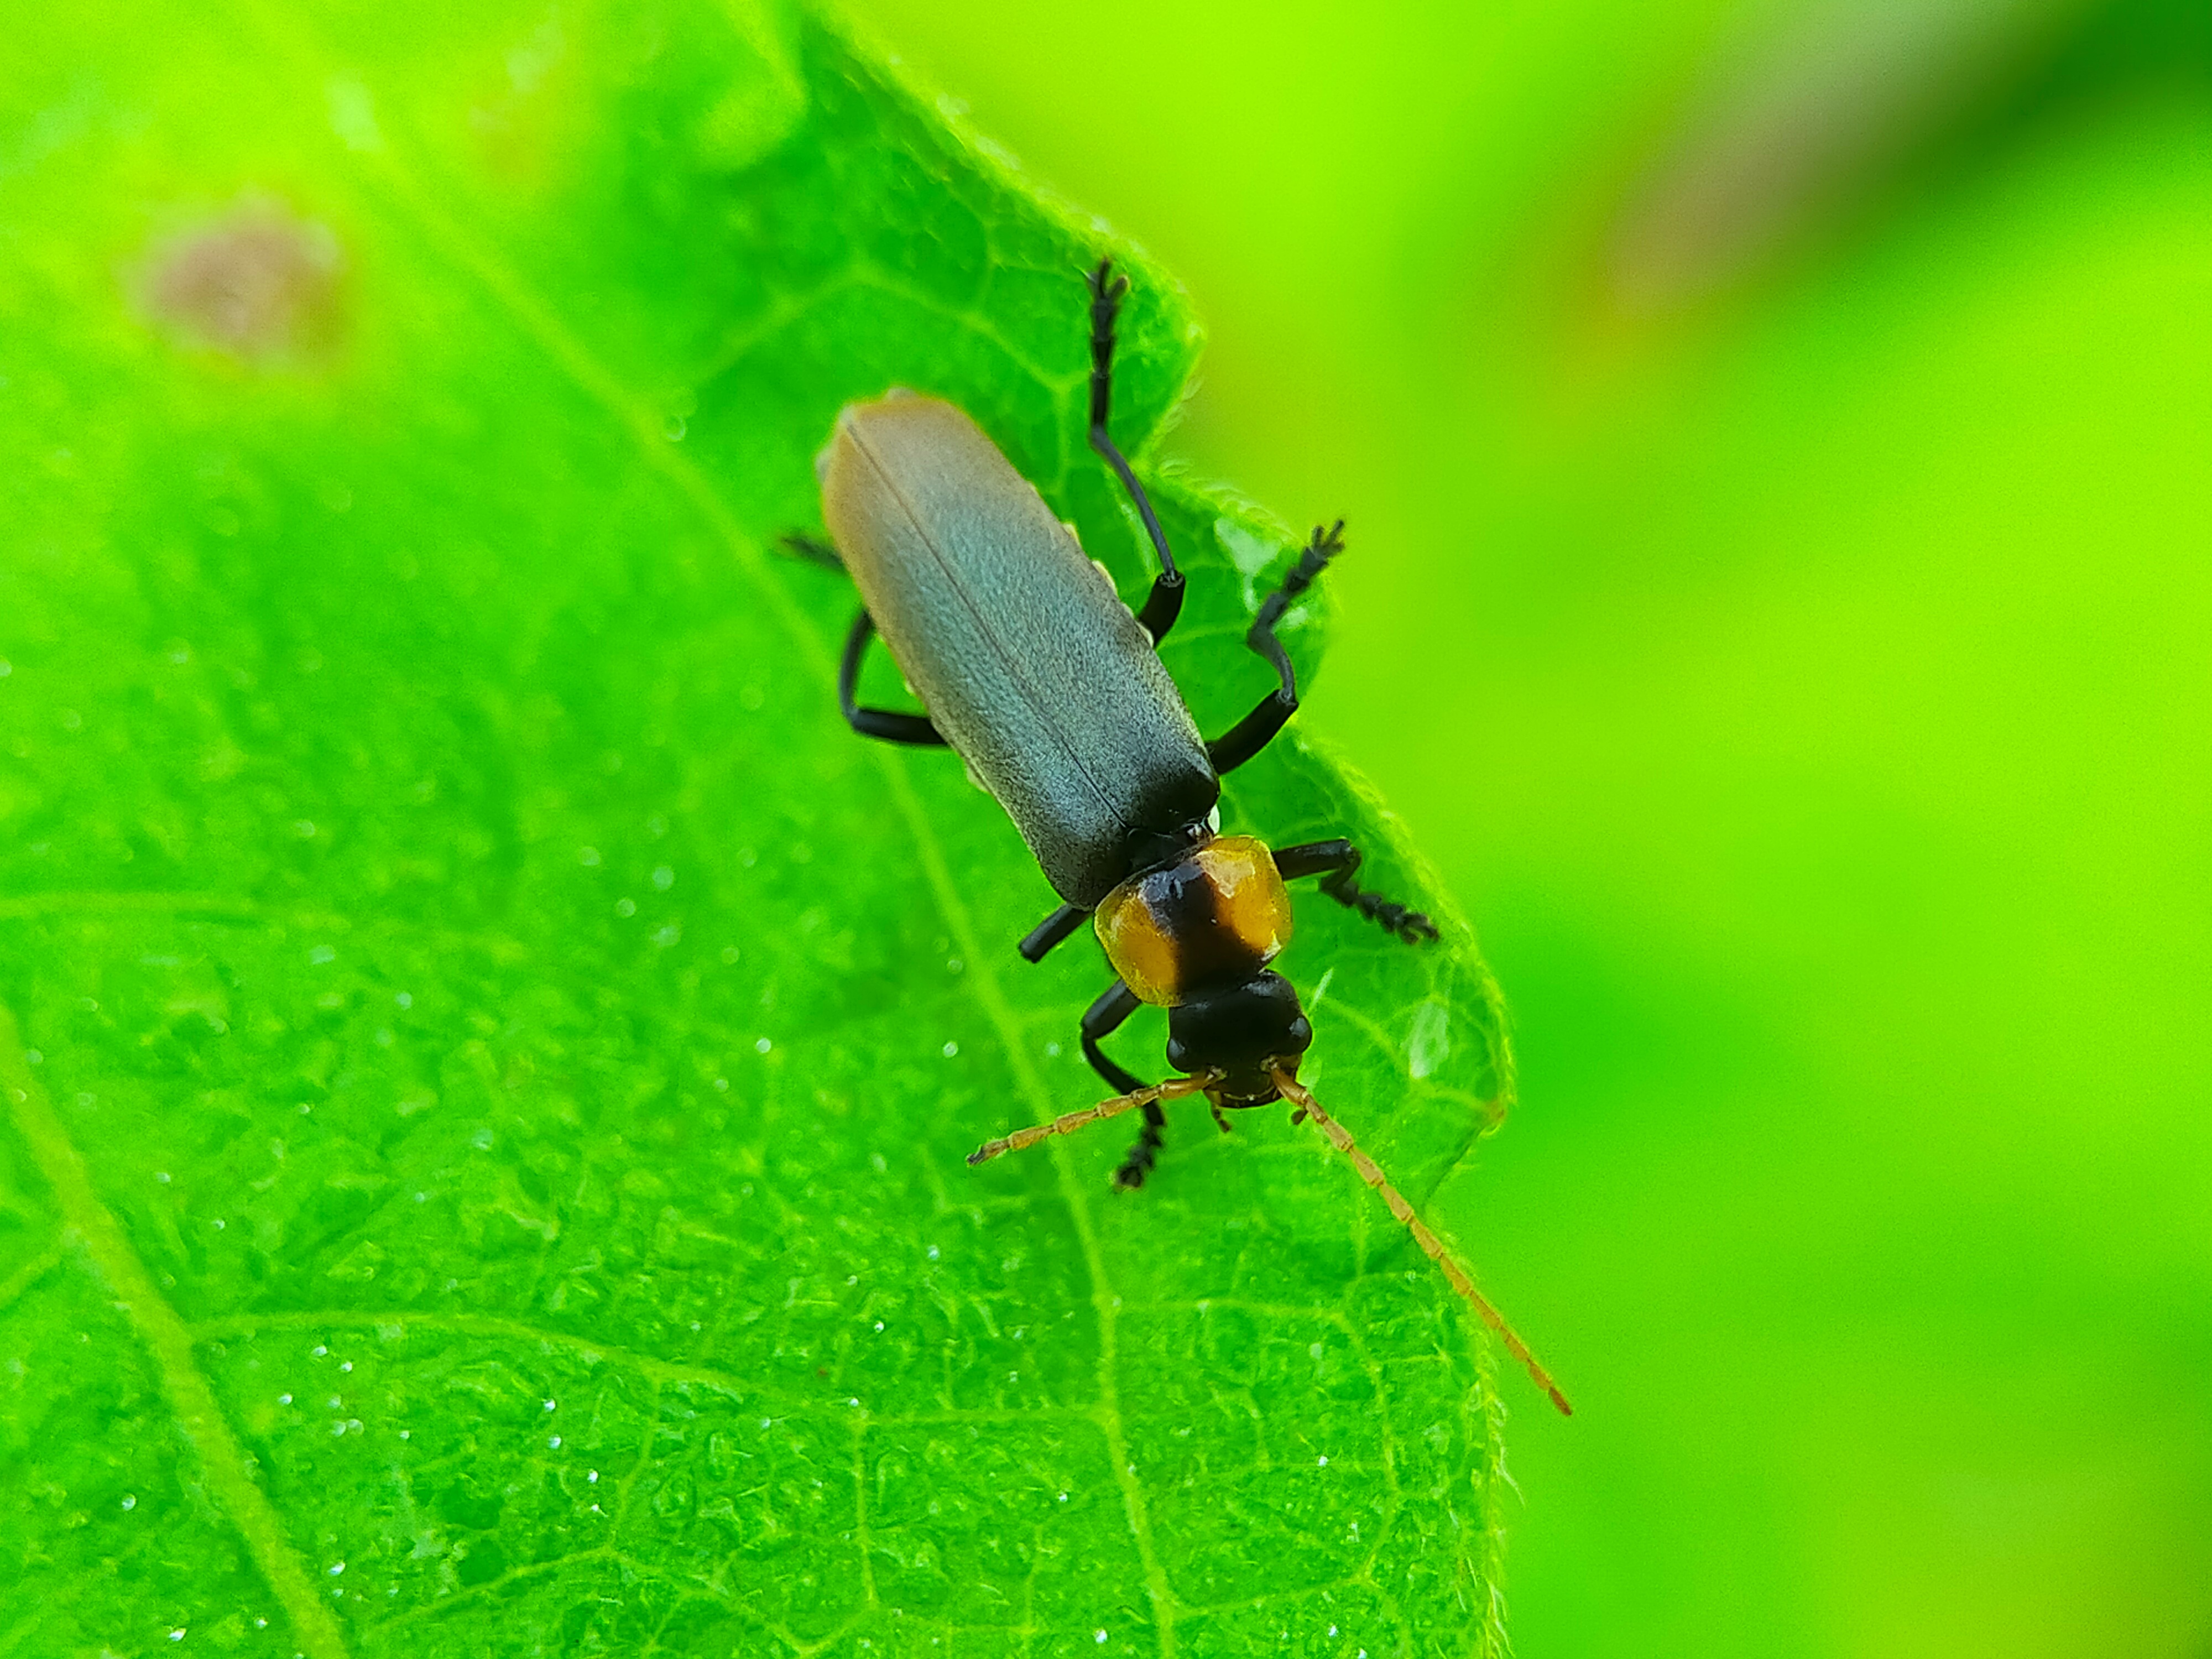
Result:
[{"x": 488, "y": 1057}]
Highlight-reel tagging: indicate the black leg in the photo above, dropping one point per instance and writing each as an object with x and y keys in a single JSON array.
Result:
[
  {"x": 1257, "y": 729},
  {"x": 1144, "y": 1152},
  {"x": 1164, "y": 603},
  {"x": 812, "y": 549},
  {"x": 1335, "y": 862},
  {"x": 876, "y": 722},
  {"x": 1102, "y": 1019},
  {"x": 883, "y": 723},
  {"x": 1052, "y": 930}
]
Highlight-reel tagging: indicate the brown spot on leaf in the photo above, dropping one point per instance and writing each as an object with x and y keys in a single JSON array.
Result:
[{"x": 257, "y": 283}]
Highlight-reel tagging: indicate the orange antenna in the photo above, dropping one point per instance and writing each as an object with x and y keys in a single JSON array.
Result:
[
  {"x": 1299, "y": 1096},
  {"x": 1173, "y": 1089}
]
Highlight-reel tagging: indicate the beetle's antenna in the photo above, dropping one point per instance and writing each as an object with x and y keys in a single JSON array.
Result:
[
  {"x": 1173, "y": 1089},
  {"x": 1299, "y": 1096}
]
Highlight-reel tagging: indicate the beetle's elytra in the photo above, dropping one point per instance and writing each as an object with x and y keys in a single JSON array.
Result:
[{"x": 1051, "y": 689}]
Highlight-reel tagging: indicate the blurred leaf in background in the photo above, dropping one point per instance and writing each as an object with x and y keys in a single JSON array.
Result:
[
  {"x": 1780, "y": 441},
  {"x": 485, "y": 1055}
]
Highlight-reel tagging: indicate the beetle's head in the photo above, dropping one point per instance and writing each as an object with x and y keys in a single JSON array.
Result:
[{"x": 1243, "y": 1033}]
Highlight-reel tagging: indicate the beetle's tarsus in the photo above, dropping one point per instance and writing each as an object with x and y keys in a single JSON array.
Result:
[
  {"x": 1138, "y": 1162},
  {"x": 1335, "y": 863},
  {"x": 1164, "y": 603},
  {"x": 1411, "y": 926},
  {"x": 1261, "y": 727},
  {"x": 1101, "y": 289},
  {"x": 813, "y": 549}
]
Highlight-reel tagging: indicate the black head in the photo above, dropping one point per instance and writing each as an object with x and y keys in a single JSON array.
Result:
[{"x": 1241, "y": 1033}]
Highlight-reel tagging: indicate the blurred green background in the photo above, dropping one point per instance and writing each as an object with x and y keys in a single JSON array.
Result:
[{"x": 1777, "y": 446}]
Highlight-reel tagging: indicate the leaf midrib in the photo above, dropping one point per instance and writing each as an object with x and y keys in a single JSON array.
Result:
[{"x": 543, "y": 326}]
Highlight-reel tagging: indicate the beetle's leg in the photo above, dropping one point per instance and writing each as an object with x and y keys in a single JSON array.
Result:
[
  {"x": 876, "y": 722},
  {"x": 883, "y": 723},
  {"x": 1102, "y": 1019},
  {"x": 813, "y": 549},
  {"x": 1052, "y": 930},
  {"x": 1257, "y": 729},
  {"x": 1335, "y": 862},
  {"x": 1164, "y": 603}
]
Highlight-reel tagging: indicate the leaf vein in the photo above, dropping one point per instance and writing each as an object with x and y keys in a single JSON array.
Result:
[{"x": 168, "y": 1341}]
